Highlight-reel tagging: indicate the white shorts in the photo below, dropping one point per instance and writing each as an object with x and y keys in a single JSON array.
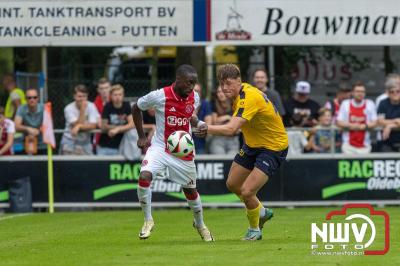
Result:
[{"x": 157, "y": 161}]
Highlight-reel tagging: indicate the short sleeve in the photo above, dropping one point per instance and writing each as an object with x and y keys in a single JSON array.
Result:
[
  {"x": 93, "y": 114},
  {"x": 70, "y": 117},
  {"x": 150, "y": 100},
  {"x": 106, "y": 112},
  {"x": 343, "y": 114},
  {"x": 127, "y": 108},
  {"x": 246, "y": 107},
  {"x": 20, "y": 111},
  {"x": 10, "y": 127},
  {"x": 303, "y": 139}
]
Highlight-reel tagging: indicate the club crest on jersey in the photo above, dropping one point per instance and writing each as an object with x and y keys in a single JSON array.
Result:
[{"x": 189, "y": 109}]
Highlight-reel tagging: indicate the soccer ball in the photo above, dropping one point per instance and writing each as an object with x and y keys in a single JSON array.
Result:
[{"x": 180, "y": 143}]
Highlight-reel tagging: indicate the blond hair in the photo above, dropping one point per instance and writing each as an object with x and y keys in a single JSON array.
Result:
[{"x": 116, "y": 87}]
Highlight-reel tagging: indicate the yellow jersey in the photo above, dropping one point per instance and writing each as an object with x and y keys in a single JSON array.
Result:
[{"x": 264, "y": 127}]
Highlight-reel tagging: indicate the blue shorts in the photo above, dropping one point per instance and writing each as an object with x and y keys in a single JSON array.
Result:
[{"x": 266, "y": 160}]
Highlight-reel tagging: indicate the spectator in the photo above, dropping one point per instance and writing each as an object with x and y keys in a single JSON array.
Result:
[
  {"x": 260, "y": 80},
  {"x": 116, "y": 120},
  {"x": 7, "y": 131},
  {"x": 28, "y": 121},
  {"x": 343, "y": 93},
  {"x": 390, "y": 81},
  {"x": 204, "y": 113},
  {"x": 356, "y": 116},
  {"x": 321, "y": 140},
  {"x": 15, "y": 98},
  {"x": 297, "y": 137},
  {"x": 389, "y": 119},
  {"x": 81, "y": 116},
  {"x": 301, "y": 104},
  {"x": 222, "y": 113},
  {"x": 103, "y": 94}
]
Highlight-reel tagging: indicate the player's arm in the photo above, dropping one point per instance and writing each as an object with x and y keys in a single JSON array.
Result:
[
  {"x": 138, "y": 120},
  {"x": 229, "y": 129}
]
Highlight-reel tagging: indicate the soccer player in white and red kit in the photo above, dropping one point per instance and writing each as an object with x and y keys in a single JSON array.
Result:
[
  {"x": 356, "y": 116},
  {"x": 174, "y": 106}
]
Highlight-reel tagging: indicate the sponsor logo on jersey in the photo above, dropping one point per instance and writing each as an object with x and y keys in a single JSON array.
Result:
[{"x": 177, "y": 121}]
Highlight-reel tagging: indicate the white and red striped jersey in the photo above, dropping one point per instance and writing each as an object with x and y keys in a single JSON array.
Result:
[
  {"x": 360, "y": 113},
  {"x": 172, "y": 113},
  {"x": 6, "y": 127}
]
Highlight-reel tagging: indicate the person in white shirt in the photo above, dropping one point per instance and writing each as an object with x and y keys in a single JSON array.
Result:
[
  {"x": 355, "y": 117},
  {"x": 7, "y": 130},
  {"x": 81, "y": 116}
]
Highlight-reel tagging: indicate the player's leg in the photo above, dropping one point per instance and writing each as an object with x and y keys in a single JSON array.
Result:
[
  {"x": 251, "y": 186},
  {"x": 144, "y": 196},
  {"x": 151, "y": 165},
  {"x": 236, "y": 177},
  {"x": 241, "y": 167},
  {"x": 267, "y": 163},
  {"x": 184, "y": 173},
  {"x": 194, "y": 202}
]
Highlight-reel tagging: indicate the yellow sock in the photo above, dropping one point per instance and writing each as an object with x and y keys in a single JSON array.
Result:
[{"x": 253, "y": 216}]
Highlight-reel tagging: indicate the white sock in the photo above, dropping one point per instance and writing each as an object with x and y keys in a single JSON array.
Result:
[
  {"x": 262, "y": 211},
  {"x": 197, "y": 209},
  {"x": 144, "y": 196}
]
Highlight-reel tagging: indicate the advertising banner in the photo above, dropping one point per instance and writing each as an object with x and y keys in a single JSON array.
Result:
[
  {"x": 311, "y": 22},
  {"x": 96, "y": 23},
  {"x": 298, "y": 180}
]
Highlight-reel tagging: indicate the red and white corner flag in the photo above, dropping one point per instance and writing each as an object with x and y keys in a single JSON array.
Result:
[{"x": 47, "y": 126}]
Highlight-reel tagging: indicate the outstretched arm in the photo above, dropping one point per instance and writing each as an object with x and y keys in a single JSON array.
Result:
[{"x": 229, "y": 129}]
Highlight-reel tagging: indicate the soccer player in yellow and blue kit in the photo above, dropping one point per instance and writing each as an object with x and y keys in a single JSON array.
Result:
[{"x": 265, "y": 144}]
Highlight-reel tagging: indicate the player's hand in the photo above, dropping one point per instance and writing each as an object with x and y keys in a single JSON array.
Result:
[
  {"x": 113, "y": 132},
  {"x": 201, "y": 131},
  {"x": 144, "y": 144}
]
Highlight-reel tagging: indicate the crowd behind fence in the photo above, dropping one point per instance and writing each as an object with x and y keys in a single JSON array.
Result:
[{"x": 311, "y": 128}]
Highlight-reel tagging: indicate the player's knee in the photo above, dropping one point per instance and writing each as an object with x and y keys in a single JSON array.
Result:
[
  {"x": 246, "y": 193},
  {"x": 231, "y": 187},
  {"x": 190, "y": 193},
  {"x": 145, "y": 179}
]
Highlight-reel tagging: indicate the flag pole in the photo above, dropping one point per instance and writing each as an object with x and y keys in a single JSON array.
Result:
[{"x": 50, "y": 177}]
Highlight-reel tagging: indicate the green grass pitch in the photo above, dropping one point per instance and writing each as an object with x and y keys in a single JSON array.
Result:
[{"x": 110, "y": 238}]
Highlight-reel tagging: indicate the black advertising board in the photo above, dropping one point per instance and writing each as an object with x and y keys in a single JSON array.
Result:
[{"x": 93, "y": 180}]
